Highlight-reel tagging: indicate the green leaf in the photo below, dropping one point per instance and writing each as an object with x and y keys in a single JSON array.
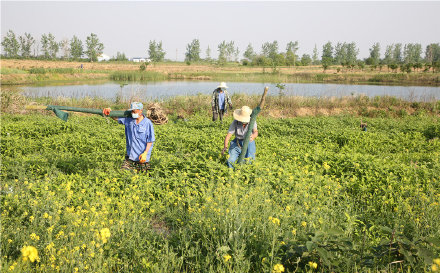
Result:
[
  {"x": 310, "y": 245},
  {"x": 386, "y": 229},
  {"x": 426, "y": 254},
  {"x": 433, "y": 240}
]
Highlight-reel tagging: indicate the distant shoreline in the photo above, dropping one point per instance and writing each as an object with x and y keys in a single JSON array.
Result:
[{"x": 23, "y": 72}]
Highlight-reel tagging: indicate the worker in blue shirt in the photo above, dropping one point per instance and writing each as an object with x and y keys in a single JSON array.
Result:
[
  {"x": 139, "y": 136},
  {"x": 219, "y": 102}
]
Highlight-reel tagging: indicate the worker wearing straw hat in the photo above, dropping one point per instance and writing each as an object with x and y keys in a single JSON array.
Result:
[
  {"x": 239, "y": 127},
  {"x": 220, "y": 98}
]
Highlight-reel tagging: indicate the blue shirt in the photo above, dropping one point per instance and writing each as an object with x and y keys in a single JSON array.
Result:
[
  {"x": 137, "y": 136},
  {"x": 221, "y": 100}
]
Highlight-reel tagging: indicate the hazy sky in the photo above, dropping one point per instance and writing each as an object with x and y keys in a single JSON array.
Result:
[{"x": 128, "y": 26}]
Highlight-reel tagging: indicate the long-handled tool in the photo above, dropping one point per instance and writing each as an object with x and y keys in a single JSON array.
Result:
[
  {"x": 254, "y": 114},
  {"x": 64, "y": 115}
]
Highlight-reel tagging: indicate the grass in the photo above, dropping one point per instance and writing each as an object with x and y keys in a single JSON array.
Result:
[
  {"x": 276, "y": 106},
  {"x": 321, "y": 192},
  {"x": 204, "y": 71}
]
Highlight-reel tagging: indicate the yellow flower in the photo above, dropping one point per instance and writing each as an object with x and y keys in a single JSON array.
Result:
[
  {"x": 313, "y": 265},
  {"x": 294, "y": 231},
  {"x": 35, "y": 237},
  {"x": 278, "y": 268},
  {"x": 104, "y": 234},
  {"x": 227, "y": 257},
  {"x": 274, "y": 220},
  {"x": 45, "y": 215},
  {"x": 30, "y": 252},
  {"x": 434, "y": 268},
  {"x": 437, "y": 261},
  {"x": 326, "y": 166},
  {"x": 304, "y": 223}
]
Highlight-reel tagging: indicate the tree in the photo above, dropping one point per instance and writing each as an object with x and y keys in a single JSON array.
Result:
[
  {"x": 236, "y": 54},
  {"x": 249, "y": 53},
  {"x": 388, "y": 58},
  {"x": 327, "y": 55},
  {"x": 340, "y": 53},
  {"x": 120, "y": 56},
  {"x": 64, "y": 44},
  {"x": 94, "y": 47},
  {"x": 315, "y": 58},
  {"x": 432, "y": 53},
  {"x": 412, "y": 53},
  {"x": 397, "y": 53},
  {"x": 230, "y": 50},
  {"x": 26, "y": 43},
  {"x": 208, "y": 54},
  {"x": 222, "y": 52},
  {"x": 291, "y": 49},
  {"x": 160, "y": 52},
  {"x": 76, "y": 48},
  {"x": 10, "y": 45},
  {"x": 374, "y": 58},
  {"x": 306, "y": 60},
  {"x": 351, "y": 55},
  {"x": 155, "y": 51},
  {"x": 49, "y": 46},
  {"x": 270, "y": 50},
  {"x": 193, "y": 51}
]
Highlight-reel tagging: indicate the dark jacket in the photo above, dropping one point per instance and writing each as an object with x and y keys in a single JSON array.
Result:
[{"x": 214, "y": 102}]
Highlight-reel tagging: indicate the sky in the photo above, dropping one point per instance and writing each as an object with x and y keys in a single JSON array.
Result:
[{"x": 128, "y": 26}]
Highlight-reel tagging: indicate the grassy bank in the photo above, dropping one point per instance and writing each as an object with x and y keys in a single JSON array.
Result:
[
  {"x": 32, "y": 71},
  {"x": 276, "y": 106}
]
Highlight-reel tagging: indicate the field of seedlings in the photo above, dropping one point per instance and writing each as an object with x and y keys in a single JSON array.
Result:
[{"x": 322, "y": 196}]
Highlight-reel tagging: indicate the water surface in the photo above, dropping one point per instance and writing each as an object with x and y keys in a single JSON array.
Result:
[{"x": 167, "y": 89}]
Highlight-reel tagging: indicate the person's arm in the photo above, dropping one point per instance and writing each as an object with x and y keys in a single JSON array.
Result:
[
  {"x": 213, "y": 100},
  {"x": 143, "y": 156},
  {"x": 254, "y": 135},
  {"x": 150, "y": 139},
  {"x": 229, "y": 101},
  {"x": 225, "y": 147},
  {"x": 106, "y": 112}
]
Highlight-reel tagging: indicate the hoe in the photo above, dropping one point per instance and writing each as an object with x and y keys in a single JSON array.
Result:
[
  {"x": 254, "y": 114},
  {"x": 155, "y": 114}
]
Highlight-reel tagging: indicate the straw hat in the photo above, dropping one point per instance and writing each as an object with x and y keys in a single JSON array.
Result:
[
  {"x": 243, "y": 114},
  {"x": 222, "y": 85}
]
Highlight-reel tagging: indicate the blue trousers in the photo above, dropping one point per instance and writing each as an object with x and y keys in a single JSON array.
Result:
[{"x": 235, "y": 151}]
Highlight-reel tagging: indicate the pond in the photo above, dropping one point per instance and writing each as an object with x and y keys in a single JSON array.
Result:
[{"x": 167, "y": 89}]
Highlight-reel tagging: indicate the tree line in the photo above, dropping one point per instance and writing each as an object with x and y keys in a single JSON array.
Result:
[
  {"x": 26, "y": 46},
  {"x": 407, "y": 57}
]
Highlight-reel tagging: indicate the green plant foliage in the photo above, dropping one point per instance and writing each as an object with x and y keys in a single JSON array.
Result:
[{"x": 321, "y": 193}]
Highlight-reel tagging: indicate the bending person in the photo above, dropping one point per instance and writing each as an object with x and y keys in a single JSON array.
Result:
[{"x": 239, "y": 127}]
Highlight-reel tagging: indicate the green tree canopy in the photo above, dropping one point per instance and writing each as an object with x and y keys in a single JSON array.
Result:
[
  {"x": 193, "y": 51},
  {"x": 94, "y": 47},
  {"x": 26, "y": 43},
  {"x": 249, "y": 53},
  {"x": 155, "y": 51},
  {"x": 76, "y": 48},
  {"x": 374, "y": 58},
  {"x": 49, "y": 46},
  {"x": 10, "y": 44},
  {"x": 327, "y": 55}
]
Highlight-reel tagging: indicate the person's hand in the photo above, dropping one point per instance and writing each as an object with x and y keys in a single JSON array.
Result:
[
  {"x": 106, "y": 111},
  {"x": 224, "y": 150},
  {"x": 143, "y": 157}
]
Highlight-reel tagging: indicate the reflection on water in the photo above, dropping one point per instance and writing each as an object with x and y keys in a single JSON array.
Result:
[{"x": 163, "y": 90}]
